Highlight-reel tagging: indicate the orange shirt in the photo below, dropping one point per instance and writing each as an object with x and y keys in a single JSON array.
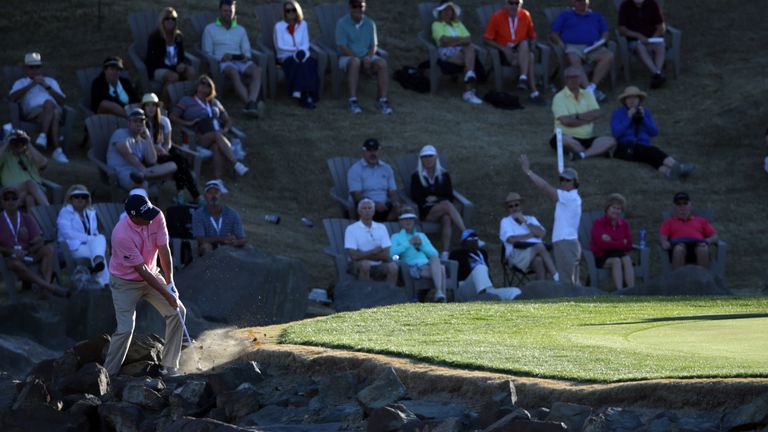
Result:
[{"x": 500, "y": 27}]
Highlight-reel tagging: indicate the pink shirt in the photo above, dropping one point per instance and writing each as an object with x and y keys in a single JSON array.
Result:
[{"x": 134, "y": 245}]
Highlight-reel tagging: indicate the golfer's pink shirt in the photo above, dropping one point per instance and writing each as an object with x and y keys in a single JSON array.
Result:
[{"x": 134, "y": 244}]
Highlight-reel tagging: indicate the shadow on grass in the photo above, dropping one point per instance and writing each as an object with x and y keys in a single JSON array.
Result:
[{"x": 685, "y": 318}]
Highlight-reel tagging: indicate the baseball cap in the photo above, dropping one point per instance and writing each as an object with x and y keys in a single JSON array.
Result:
[
  {"x": 139, "y": 206},
  {"x": 428, "y": 150},
  {"x": 137, "y": 113},
  {"x": 681, "y": 196},
  {"x": 467, "y": 233},
  {"x": 570, "y": 174},
  {"x": 113, "y": 61},
  {"x": 371, "y": 144},
  {"x": 217, "y": 184},
  {"x": 33, "y": 59}
]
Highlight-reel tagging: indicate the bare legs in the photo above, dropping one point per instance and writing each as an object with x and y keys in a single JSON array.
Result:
[
  {"x": 680, "y": 251},
  {"x": 599, "y": 146},
  {"x": 364, "y": 272},
  {"x": 378, "y": 67},
  {"x": 221, "y": 148},
  {"x": 622, "y": 271},
  {"x": 49, "y": 120},
  {"x": 253, "y": 73},
  {"x": 436, "y": 272},
  {"x": 446, "y": 213}
]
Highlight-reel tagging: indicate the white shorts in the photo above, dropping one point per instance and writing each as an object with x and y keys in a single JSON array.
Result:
[
  {"x": 521, "y": 258},
  {"x": 344, "y": 60},
  {"x": 241, "y": 66}
]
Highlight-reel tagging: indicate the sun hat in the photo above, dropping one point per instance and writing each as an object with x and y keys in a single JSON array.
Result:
[
  {"x": 436, "y": 11},
  {"x": 632, "y": 91},
  {"x": 33, "y": 59},
  {"x": 428, "y": 150},
  {"x": 150, "y": 98},
  {"x": 512, "y": 196}
]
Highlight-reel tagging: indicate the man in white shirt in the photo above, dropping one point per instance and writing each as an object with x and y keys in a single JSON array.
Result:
[
  {"x": 521, "y": 235},
  {"x": 41, "y": 99},
  {"x": 565, "y": 235},
  {"x": 367, "y": 243}
]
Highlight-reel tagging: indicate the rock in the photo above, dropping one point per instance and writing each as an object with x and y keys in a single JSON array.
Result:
[
  {"x": 336, "y": 389},
  {"x": 233, "y": 376},
  {"x": 32, "y": 395},
  {"x": 120, "y": 416},
  {"x": 240, "y": 402},
  {"x": 145, "y": 348},
  {"x": 687, "y": 280},
  {"x": 141, "y": 369},
  {"x": 273, "y": 415},
  {"x": 91, "y": 378},
  {"x": 385, "y": 390},
  {"x": 260, "y": 289},
  {"x": 8, "y": 386},
  {"x": 701, "y": 422},
  {"x": 752, "y": 416},
  {"x": 187, "y": 424},
  {"x": 433, "y": 409},
  {"x": 544, "y": 289},
  {"x": 510, "y": 424},
  {"x": 92, "y": 350},
  {"x": 189, "y": 398},
  {"x": 136, "y": 393},
  {"x": 450, "y": 425},
  {"x": 44, "y": 418},
  {"x": 36, "y": 322},
  {"x": 613, "y": 420},
  {"x": 18, "y": 354},
  {"x": 573, "y": 415},
  {"x": 501, "y": 404},
  {"x": 391, "y": 418},
  {"x": 87, "y": 407},
  {"x": 325, "y": 414},
  {"x": 540, "y": 413},
  {"x": 352, "y": 295},
  {"x": 89, "y": 313}
]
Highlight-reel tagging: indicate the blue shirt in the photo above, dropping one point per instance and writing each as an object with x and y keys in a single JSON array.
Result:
[
  {"x": 401, "y": 245},
  {"x": 203, "y": 226},
  {"x": 578, "y": 29},
  {"x": 626, "y": 132},
  {"x": 358, "y": 37}
]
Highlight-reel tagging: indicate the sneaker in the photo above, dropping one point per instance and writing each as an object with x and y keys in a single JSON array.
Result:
[
  {"x": 536, "y": 99},
  {"x": 296, "y": 95},
  {"x": 59, "y": 156},
  {"x": 556, "y": 277},
  {"x": 444, "y": 256},
  {"x": 683, "y": 170},
  {"x": 42, "y": 140},
  {"x": 599, "y": 96},
  {"x": 522, "y": 84},
  {"x": 169, "y": 372},
  {"x": 657, "y": 80},
  {"x": 470, "y": 77},
  {"x": 308, "y": 102},
  {"x": 472, "y": 98},
  {"x": 440, "y": 299},
  {"x": 577, "y": 156},
  {"x": 98, "y": 267},
  {"x": 354, "y": 107},
  {"x": 384, "y": 107},
  {"x": 241, "y": 169}
]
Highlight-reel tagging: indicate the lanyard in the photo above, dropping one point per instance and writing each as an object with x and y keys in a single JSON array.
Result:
[
  {"x": 452, "y": 30},
  {"x": 15, "y": 231},
  {"x": 216, "y": 226},
  {"x": 512, "y": 27},
  {"x": 206, "y": 106},
  {"x": 478, "y": 257},
  {"x": 86, "y": 223}
]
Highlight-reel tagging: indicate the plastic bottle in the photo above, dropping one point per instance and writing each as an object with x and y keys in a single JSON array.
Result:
[
  {"x": 642, "y": 238},
  {"x": 273, "y": 219}
]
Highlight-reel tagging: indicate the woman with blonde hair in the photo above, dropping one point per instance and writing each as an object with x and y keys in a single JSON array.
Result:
[
  {"x": 165, "y": 59},
  {"x": 77, "y": 225},
  {"x": 612, "y": 242},
  {"x": 291, "y": 39}
]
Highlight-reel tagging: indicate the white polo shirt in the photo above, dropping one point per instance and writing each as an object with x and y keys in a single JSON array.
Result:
[
  {"x": 509, "y": 227},
  {"x": 360, "y": 237},
  {"x": 567, "y": 215},
  {"x": 37, "y": 95}
]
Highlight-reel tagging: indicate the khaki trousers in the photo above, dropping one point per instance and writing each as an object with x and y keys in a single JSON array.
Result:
[
  {"x": 125, "y": 295},
  {"x": 567, "y": 256}
]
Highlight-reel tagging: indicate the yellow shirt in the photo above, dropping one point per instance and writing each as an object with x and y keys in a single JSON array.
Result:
[
  {"x": 565, "y": 103},
  {"x": 442, "y": 28}
]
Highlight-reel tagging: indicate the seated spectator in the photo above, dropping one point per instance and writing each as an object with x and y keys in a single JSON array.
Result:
[
  {"x": 432, "y": 191},
  {"x": 160, "y": 132},
  {"x": 575, "y": 112},
  {"x": 216, "y": 224},
  {"x": 207, "y": 116},
  {"x": 370, "y": 177},
  {"x": 685, "y": 236},
  {"x": 515, "y": 38},
  {"x": 639, "y": 21},
  {"x": 78, "y": 227},
  {"x": 611, "y": 243},
  {"x": 414, "y": 249},
  {"x": 455, "y": 48},
  {"x": 522, "y": 237},
  {"x": 578, "y": 29},
  {"x": 473, "y": 276},
  {"x": 111, "y": 93},
  {"x": 20, "y": 166},
  {"x": 633, "y": 127},
  {"x": 291, "y": 39},
  {"x": 226, "y": 40},
  {"x": 367, "y": 243},
  {"x": 358, "y": 43},
  {"x": 165, "y": 60},
  {"x": 22, "y": 245},
  {"x": 41, "y": 100},
  {"x": 132, "y": 154}
]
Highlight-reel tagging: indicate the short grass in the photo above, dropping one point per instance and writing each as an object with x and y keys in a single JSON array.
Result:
[{"x": 591, "y": 339}]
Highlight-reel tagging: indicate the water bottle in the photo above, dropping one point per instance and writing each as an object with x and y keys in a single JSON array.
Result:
[
  {"x": 273, "y": 219},
  {"x": 642, "y": 238},
  {"x": 307, "y": 222}
]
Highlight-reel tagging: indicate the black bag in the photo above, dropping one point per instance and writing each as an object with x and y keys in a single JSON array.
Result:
[
  {"x": 502, "y": 100},
  {"x": 412, "y": 78},
  {"x": 178, "y": 218}
]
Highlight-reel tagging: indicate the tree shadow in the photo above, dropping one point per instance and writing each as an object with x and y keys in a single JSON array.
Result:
[{"x": 685, "y": 318}]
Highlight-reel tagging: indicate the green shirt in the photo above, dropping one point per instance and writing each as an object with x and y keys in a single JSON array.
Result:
[
  {"x": 358, "y": 37},
  {"x": 442, "y": 28},
  {"x": 15, "y": 170}
]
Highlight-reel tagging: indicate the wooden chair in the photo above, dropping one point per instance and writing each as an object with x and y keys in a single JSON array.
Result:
[
  {"x": 85, "y": 79},
  {"x": 100, "y": 128},
  {"x": 269, "y": 14},
  {"x": 334, "y": 229},
  {"x": 541, "y": 52},
  {"x": 339, "y": 167},
  {"x": 641, "y": 256},
  {"x": 108, "y": 214},
  {"x": 68, "y": 114},
  {"x": 674, "y": 40},
  {"x": 46, "y": 217},
  {"x": 717, "y": 256}
]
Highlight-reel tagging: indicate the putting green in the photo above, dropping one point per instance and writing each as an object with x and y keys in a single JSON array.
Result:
[{"x": 584, "y": 339}]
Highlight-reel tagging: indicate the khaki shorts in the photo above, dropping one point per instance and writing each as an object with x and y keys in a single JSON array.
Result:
[
  {"x": 378, "y": 271},
  {"x": 344, "y": 61},
  {"x": 35, "y": 111},
  {"x": 521, "y": 258},
  {"x": 240, "y": 66},
  {"x": 579, "y": 51}
]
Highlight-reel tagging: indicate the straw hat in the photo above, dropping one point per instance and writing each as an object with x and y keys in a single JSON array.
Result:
[{"x": 632, "y": 91}]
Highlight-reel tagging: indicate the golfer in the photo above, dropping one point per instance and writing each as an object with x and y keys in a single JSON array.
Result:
[{"x": 136, "y": 242}]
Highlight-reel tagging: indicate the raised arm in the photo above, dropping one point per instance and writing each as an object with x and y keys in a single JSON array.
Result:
[{"x": 540, "y": 183}]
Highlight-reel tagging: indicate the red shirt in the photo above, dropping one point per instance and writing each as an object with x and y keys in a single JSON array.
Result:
[
  {"x": 499, "y": 28},
  {"x": 695, "y": 227},
  {"x": 621, "y": 236},
  {"x": 23, "y": 225}
]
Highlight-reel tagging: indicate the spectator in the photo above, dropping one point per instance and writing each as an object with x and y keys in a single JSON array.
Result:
[
  {"x": 20, "y": 166},
  {"x": 367, "y": 243},
  {"x": 515, "y": 38},
  {"x": 357, "y": 41},
  {"x": 642, "y": 23},
  {"x": 132, "y": 154},
  {"x": 166, "y": 61},
  {"x": 78, "y": 227},
  {"x": 565, "y": 234},
  {"x": 579, "y": 31},
  {"x": 432, "y": 191},
  {"x": 414, "y": 249},
  {"x": 216, "y": 224},
  {"x": 227, "y": 41},
  {"x": 41, "y": 99},
  {"x": 611, "y": 243},
  {"x": 575, "y": 112},
  {"x": 110, "y": 92},
  {"x": 21, "y": 244},
  {"x": 159, "y": 128},
  {"x": 207, "y": 116},
  {"x": 522, "y": 238},
  {"x": 291, "y": 39},
  {"x": 137, "y": 242},
  {"x": 455, "y": 48},
  {"x": 473, "y": 276},
  {"x": 633, "y": 127},
  {"x": 370, "y": 177},
  {"x": 685, "y": 236}
]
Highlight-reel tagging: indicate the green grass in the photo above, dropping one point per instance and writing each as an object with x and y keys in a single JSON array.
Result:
[{"x": 590, "y": 339}]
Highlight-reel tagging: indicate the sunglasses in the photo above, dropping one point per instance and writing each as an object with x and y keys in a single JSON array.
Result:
[
  {"x": 563, "y": 179},
  {"x": 513, "y": 3},
  {"x": 169, "y": 19},
  {"x": 515, "y": 205},
  {"x": 357, "y": 6},
  {"x": 291, "y": 10},
  {"x": 34, "y": 66},
  {"x": 681, "y": 203},
  {"x": 80, "y": 196}
]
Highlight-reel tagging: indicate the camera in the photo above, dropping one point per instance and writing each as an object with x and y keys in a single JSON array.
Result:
[{"x": 637, "y": 117}]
